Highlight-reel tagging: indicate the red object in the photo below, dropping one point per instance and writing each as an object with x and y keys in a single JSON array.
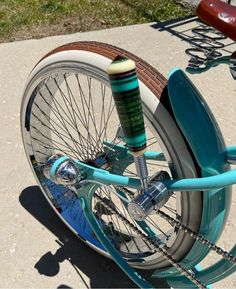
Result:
[{"x": 219, "y": 15}]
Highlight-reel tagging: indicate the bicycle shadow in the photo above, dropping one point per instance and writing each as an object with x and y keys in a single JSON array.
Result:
[
  {"x": 103, "y": 273},
  {"x": 182, "y": 29},
  {"x": 178, "y": 27}
]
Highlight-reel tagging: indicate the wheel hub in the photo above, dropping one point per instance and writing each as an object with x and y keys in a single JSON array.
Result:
[
  {"x": 62, "y": 170},
  {"x": 154, "y": 197}
]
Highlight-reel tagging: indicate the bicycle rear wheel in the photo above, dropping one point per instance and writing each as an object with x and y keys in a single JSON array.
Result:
[{"x": 68, "y": 108}]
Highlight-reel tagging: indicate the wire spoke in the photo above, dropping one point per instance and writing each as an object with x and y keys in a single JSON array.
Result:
[
  {"x": 171, "y": 209},
  {"x": 70, "y": 109},
  {"x": 61, "y": 120},
  {"x": 157, "y": 165},
  {"x": 131, "y": 235},
  {"x": 53, "y": 147},
  {"x": 56, "y": 133},
  {"x": 151, "y": 143},
  {"x": 86, "y": 110},
  {"x": 56, "y": 103},
  {"x": 150, "y": 221},
  {"x": 51, "y": 121},
  {"x": 75, "y": 114}
]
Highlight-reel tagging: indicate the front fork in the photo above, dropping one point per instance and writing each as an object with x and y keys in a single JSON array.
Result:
[{"x": 125, "y": 89}]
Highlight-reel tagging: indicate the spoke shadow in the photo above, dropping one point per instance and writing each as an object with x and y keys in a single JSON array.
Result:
[{"x": 103, "y": 273}]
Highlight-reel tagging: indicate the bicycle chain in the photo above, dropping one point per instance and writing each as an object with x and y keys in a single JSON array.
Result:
[
  {"x": 161, "y": 250},
  {"x": 198, "y": 237},
  {"x": 226, "y": 255}
]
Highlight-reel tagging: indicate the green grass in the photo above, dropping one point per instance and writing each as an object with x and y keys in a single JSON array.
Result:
[{"x": 20, "y": 19}]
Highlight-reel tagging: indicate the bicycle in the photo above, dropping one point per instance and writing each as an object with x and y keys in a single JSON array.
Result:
[{"x": 131, "y": 176}]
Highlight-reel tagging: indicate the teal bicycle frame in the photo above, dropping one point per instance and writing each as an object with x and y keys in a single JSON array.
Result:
[{"x": 199, "y": 127}]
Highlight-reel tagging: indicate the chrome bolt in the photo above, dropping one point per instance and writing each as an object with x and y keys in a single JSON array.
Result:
[{"x": 65, "y": 173}]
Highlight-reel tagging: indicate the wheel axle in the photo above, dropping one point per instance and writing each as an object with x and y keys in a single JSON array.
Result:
[
  {"x": 62, "y": 170},
  {"x": 153, "y": 198}
]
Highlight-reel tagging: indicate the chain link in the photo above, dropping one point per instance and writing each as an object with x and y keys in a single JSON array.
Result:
[
  {"x": 163, "y": 250},
  {"x": 226, "y": 255},
  {"x": 151, "y": 242}
]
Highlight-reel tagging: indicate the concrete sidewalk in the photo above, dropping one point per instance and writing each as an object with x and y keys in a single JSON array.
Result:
[{"x": 36, "y": 250}]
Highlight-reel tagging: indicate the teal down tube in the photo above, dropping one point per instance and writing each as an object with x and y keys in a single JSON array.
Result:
[{"x": 205, "y": 140}]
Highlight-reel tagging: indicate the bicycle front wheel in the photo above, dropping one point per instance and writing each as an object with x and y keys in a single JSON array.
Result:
[{"x": 68, "y": 108}]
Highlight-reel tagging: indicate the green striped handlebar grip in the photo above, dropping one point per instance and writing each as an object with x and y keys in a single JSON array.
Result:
[{"x": 126, "y": 93}]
